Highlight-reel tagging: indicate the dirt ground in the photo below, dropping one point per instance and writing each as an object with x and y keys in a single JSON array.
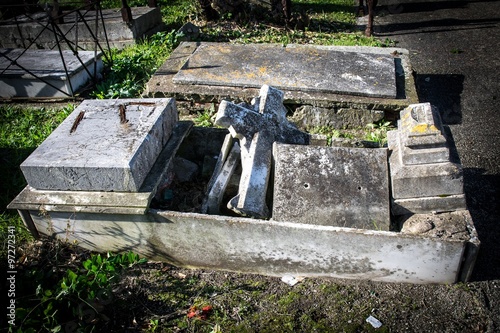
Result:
[
  {"x": 261, "y": 304},
  {"x": 159, "y": 297}
]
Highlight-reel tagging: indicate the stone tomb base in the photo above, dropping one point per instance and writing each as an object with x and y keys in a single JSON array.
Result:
[
  {"x": 17, "y": 32},
  {"x": 121, "y": 221}
]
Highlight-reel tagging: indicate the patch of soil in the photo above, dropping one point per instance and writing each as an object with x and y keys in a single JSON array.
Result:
[{"x": 162, "y": 298}]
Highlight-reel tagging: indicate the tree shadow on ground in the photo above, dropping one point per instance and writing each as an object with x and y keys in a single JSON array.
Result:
[
  {"x": 442, "y": 91},
  {"x": 433, "y": 26},
  {"x": 482, "y": 196}
]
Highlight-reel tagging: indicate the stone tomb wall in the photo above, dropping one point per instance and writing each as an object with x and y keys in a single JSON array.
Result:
[{"x": 352, "y": 226}]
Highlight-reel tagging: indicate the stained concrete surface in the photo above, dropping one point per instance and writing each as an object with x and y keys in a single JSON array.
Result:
[
  {"x": 331, "y": 186},
  {"x": 454, "y": 49},
  {"x": 104, "y": 145},
  {"x": 294, "y": 67}
]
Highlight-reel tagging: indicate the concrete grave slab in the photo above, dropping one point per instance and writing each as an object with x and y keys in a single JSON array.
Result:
[
  {"x": 294, "y": 67},
  {"x": 48, "y": 66},
  {"x": 162, "y": 83},
  {"x": 18, "y": 32},
  {"x": 335, "y": 186},
  {"x": 104, "y": 145}
]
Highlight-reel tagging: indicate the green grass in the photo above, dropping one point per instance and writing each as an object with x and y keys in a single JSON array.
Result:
[
  {"x": 329, "y": 22},
  {"x": 130, "y": 68},
  {"x": 22, "y": 129}
]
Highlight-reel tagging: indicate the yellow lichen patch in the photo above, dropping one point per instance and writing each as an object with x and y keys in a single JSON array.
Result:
[
  {"x": 251, "y": 75},
  {"x": 423, "y": 128}
]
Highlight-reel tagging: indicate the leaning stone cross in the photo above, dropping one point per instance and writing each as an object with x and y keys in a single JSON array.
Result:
[{"x": 257, "y": 126}]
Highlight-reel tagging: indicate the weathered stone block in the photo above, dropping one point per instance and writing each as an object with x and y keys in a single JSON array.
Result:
[
  {"x": 296, "y": 67},
  {"x": 424, "y": 180},
  {"x": 104, "y": 145},
  {"x": 346, "y": 187},
  {"x": 420, "y": 136}
]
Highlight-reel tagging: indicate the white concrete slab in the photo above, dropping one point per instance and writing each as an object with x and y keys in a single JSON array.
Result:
[
  {"x": 25, "y": 77},
  {"x": 103, "y": 145},
  {"x": 264, "y": 247}
]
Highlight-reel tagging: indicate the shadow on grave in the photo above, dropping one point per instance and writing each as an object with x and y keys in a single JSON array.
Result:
[{"x": 443, "y": 91}]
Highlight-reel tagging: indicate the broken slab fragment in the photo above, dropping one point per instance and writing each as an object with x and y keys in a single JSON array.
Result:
[
  {"x": 103, "y": 145},
  {"x": 334, "y": 186},
  {"x": 257, "y": 126},
  {"x": 220, "y": 181},
  {"x": 423, "y": 178},
  {"x": 421, "y": 138},
  {"x": 449, "y": 225}
]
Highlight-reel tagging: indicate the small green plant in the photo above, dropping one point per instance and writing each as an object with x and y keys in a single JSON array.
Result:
[
  {"x": 330, "y": 133},
  {"x": 377, "y": 132},
  {"x": 205, "y": 118},
  {"x": 456, "y": 51},
  {"x": 153, "y": 325},
  {"x": 75, "y": 302}
]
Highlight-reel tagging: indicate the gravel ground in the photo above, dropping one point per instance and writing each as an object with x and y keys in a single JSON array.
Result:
[{"x": 455, "y": 52}]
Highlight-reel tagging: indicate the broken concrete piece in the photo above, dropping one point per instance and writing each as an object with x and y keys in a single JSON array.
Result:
[
  {"x": 451, "y": 225},
  {"x": 417, "y": 227},
  {"x": 421, "y": 137},
  {"x": 227, "y": 145},
  {"x": 334, "y": 186},
  {"x": 216, "y": 191},
  {"x": 304, "y": 68},
  {"x": 257, "y": 126},
  {"x": 103, "y": 145},
  {"x": 188, "y": 32},
  {"x": 425, "y": 180}
]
